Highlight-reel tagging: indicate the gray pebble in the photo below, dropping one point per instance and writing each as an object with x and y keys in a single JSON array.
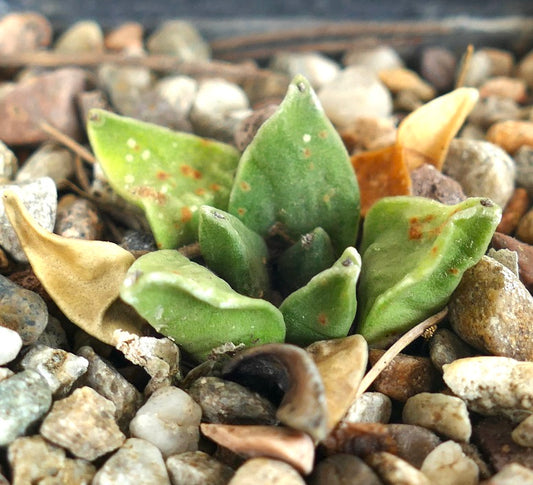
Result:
[
  {"x": 197, "y": 468},
  {"x": 23, "y": 311},
  {"x": 370, "y": 407},
  {"x": 355, "y": 93},
  {"x": 178, "y": 91},
  {"x": 227, "y": 402},
  {"x": 180, "y": 39},
  {"x": 341, "y": 469},
  {"x": 413, "y": 442},
  {"x": 138, "y": 241},
  {"x": 84, "y": 37},
  {"x": 136, "y": 462},
  {"x": 24, "y": 398},
  {"x": 493, "y": 311},
  {"x": 482, "y": 168},
  {"x": 437, "y": 65},
  {"x": 523, "y": 433},
  {"x": 35, "y": 460},
  {"x": 11, "y": 345},
  {"x": 315, "y": 67},
  {"x": 524, "y": 168},
  {"x": 376, "y": 58},
  {"x": 493, "y": 109},
  {"x": 506, "y": 257},
  {"x": 170, "y": 419},
  {"x": 110, "y": 383},
  {"x": 60, "y": 368},
  {"x": 446, "y": 415},
  {"x": 84, "y": 424},
  {"x": 448, "y": 465},
  {"x": 479, "y": 69},
  {"x": 445, "y": 347},
  {"x": 8, "y": 163},
  {"x": 54, "y": 334},
  {"x": 50, "y": 160},
  {"x": 429, "y": 182},
  {"x": 40, "y": 198},
  {"x": 266, "y": 471}
]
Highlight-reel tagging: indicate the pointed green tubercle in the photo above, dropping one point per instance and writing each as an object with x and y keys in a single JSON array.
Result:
[
  {"x": 296, "y": 175},
  {"x": 325, "y": 307},
  {"x": 198, "y": 310},
  {"x": 414, "y": 252},
  {"x": 168, "y": 174},
  {"x": 234, "y": 252}
]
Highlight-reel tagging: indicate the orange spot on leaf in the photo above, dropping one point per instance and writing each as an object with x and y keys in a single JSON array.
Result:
[
  {"x": 186, "y": 214},
  {"x": 150, "y": 193},
  {"x": 307, "y": 152},
  {"x": 161, "y": 175},
  {"x": 245, "y": 186},
  {"x": 214, "y": 187},
  {"x": 241, "y": 211},
  {"x": 189, "y": 171},
  {"x": 322, "y": 319}
]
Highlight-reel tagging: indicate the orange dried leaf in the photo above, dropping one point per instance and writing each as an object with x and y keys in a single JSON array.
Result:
[
  {"x": 427, "y": 132},
  {"x": 381, "y": 173}
]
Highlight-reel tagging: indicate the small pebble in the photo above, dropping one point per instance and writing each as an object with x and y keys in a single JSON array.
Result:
[
  {"x": 197, "y": 468},
  {"x": 493, "y": 385},
  {"x": 402, "y": 79},
  {"x": 406, "y": 101},
  {"x": 501, "y": 61},
  {"x": 356, "y": 92},
  {"x": 376, "y": 58},
  {"x": 5, "y": 373},
  {"x": 446, "y": 415},
  {"x": 479, "y": 69},
  {"x": 405, "y": 376},
  {"x": 24, "y": 398},
  {"x": 448, "y": 465},
  {"x": 88, "y": 100},
  {"x": 54, "y": 334},
  {"x": 525, "y": 256},
  {"x": 40, "y": 198},
  {"x": 35, "y": 460},
  {"x": 413, "y": 442},
  {"x": 179, "y": 92},
  {"x": 525, "y": 69},
  {"x": 514, "y": 211},
  {"x": 266, "y": 90},
  {"x": 8, "y": 163},
  {"x": 437, "y": 65},
  {"x": 138, "y": 241},
  {"x": 511, "y": 135},
  {"x": 49, "y": 160},
  {"x": 493, "y": 109},
  {"x": 218, "y": 108},
  {"x": 482, "y": 169},
  {"x": 60, "y": 368},
  {"x": 110, "y": 383},
  {"x": 227, "y": 402},
  {"x": 23, "y": 311},
  {"x": 78, "y": 218},
  {"x": 342, "y": 469},
  {"x": 368, "y": 134},
  {"x": 170, "y": 419},
  {"x": 493, "y": 311},
  {"x": 393, "y": 470},
  {"x": 136, "y": 462},
  {"x": 370, "y": 407},
  {"x": 247, "y": 127},
  {"x": 11, "y": 345},
  {"x": 126, "y": 38},
  {"x": 23, "y": 32},
  {"x": 83, "y": 37},
  {"x": 84, "y": 424},
  {"x": 524, "y": 168},
  {"x": 45, "y": 97},
  {"x": 315, "y": 67},
  {"x": 523, "y": 433},
  {"x": 429, "y": 182},
  {"x": 445, "y": 347},
  {"x": 179, "y": 39},
  {"x": 265, "y": 471},
  {"x": 511, "y": 474},
  {"x": 524, "y": 231},
  {"x": 504, "y": 87},
  {"x": 506, "y": 257}
]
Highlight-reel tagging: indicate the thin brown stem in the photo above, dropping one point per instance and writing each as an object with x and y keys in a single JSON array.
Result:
[
  {"x": 68, "y": 142},
  {"x": 465, "y": 64}
]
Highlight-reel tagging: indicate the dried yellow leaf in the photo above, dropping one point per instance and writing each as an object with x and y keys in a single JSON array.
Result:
[{"x": 82, "y": 277}]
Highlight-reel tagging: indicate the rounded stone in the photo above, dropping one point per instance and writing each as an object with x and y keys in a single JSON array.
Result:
[
  {"x": 8, "y": 162},
  {"x": 197, "y": 468},
  {"x": 82, "y": 37},
  {"x": 524, "y": 231},
  {"x": 11, "y": 345},
  {"x": 315, "y": 67},
  {"x": 342, "y": 469},
  {"x": 525, "y": 69},
  {"x": 445, "y": 347},
  {"x": 448, "y": 465},
  {"x": 180, "y": 39},
  {"x": 374, "y": 57},
  {"x": 50, "y": 160},
  {"x": 523, "y": 433},
  {"x": 370, "y": 407},
  {"x": 524, "y": 168},
  {"x": 493, "y": 311},
  {"x": 437, "y": 65},
  {"x": 265, "y": 471}
]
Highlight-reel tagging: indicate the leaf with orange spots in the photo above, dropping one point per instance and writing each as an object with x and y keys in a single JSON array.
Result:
[
  {"x": 166, "y": 173},
  {"x": 426, "y": 133},
  {"x": 414, "y": 252},
  {"x": 325, "y": 307},
  {"x": 381, "y": 173}
]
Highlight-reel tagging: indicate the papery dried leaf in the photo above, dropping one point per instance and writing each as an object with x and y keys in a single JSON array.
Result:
[
  {"x": 426, "y": 133},
  {"x": 381, "y": 173},
  {"x": 82, "y": 277}
]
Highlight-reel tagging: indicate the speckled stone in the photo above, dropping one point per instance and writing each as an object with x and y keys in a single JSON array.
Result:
[
  {"x": 265, "y": 471},
  {"x": 54, "y": 334},
  {"x": 11, "y": 345},
  {"x": 493, "y": 311},
  {"x": 493, "y": 385},
  {"x": 431, "y": 183},
  {"x": 49, "y": 160},
  {"x": 84, "y": 424},
  {"x": 107, "y": 381},
  {"x": 170, "y": 419},
  {"x": 523, "y": 433},
  {"x": 394, "y": 470},
  {"x": 60, "y": 368},
  {"x": 24, "y": 398},
  {"x": 446, "y": 415},
  {"x": 8, "y": 163},
  {"x": 40, "y": 198},
  {"x": 445, "y": 347},
  {"x": 342, "y": 469},
  {"x": 370, "y": 407},
  {"x": 180, "y": 39},
  {"x": 23, "y": 311},
  {"x": 493, "y": 109},
  {"x": 230, "y": 403},
  {"x": 197, "y": 468},
  {"x": 78, "y": 218},
  {"x": 482, "y": 169},
  {"x": 448, "y": 465},
  {"x": 138, "y": 241},
  {"x": 136, "y": 462},
  {"x": 506, "y": 257},
  {"x": 35, "y": 460},
  {"x": 83, "y": 37},
  {"x": 524, "y": 168}
]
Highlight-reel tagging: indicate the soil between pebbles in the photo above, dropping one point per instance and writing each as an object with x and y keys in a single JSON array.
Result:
[{"x": 74, "y": 410}]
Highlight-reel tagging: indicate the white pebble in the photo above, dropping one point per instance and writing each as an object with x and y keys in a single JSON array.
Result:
[
  {"x": 11, "y": 345},
  {"x": 523, "y": 433},
  {"x": 370, "y": 407},
  {"x": 448, "y": 465}
]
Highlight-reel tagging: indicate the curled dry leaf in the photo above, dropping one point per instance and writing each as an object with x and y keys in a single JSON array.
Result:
[{"x": 82, "y": 277}]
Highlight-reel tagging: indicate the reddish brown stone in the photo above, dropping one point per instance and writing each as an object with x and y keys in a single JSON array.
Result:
[
  {"x": 49, "y": 97},
  {"x": 23, "y": 32},
  {"x": 405, "y": 376},
  {"x": 514, "y": 210},
  {"x": 525, "y": 256},
  {"x": 78, "y": 218},
  {"x": 128, "y": 36}
]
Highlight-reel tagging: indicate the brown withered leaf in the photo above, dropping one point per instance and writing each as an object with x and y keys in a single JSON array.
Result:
[{"x": 82, "y": 277}]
